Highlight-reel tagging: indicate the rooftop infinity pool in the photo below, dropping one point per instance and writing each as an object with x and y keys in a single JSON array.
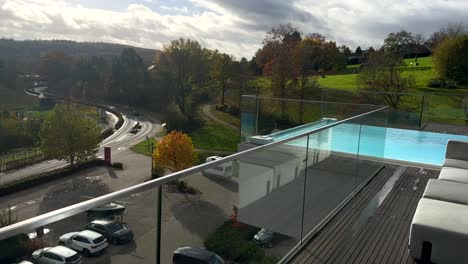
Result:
[{"x": 389, "y": 143}]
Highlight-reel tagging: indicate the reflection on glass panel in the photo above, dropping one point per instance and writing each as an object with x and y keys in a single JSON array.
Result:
[
  {"x": 271, "y": 193},
  {"x": 372, "y": 145},
  {"x": 200, "y": 215},
  {"x": 331, "y": 171},
  {"x": 248, "y": 117},
  {"x": 123, "y": 231}
]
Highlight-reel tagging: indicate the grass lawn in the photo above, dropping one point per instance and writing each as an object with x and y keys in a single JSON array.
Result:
[
  {"x": 142, "y": 147},
  {"x": 234, "y": 120},
  {"x": 343, "y": 82},
  {"x": 216, "y": 137}
]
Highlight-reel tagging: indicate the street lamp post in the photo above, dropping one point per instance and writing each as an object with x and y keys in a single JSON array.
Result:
[{"x": 159, "y": 207}]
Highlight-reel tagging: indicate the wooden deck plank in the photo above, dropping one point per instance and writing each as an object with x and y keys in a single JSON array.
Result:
[
  {"x": 324, "y": 240},
  {"x": 381, "y": 238}
]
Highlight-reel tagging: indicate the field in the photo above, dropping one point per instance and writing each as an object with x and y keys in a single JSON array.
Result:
[{"x": 422, "y": 73}]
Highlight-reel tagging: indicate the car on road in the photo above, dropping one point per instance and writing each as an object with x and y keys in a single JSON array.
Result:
[
  {"x": 191, "y": 255},
  {"x": 264, "y": 238},
  {"x": 55, "y": 255},
  {"x": 111, "y": 230},
  {"x": 88, "y": 242}
]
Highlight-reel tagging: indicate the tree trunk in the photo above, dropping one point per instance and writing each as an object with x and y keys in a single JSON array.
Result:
[{"x": 223, "y": 87}]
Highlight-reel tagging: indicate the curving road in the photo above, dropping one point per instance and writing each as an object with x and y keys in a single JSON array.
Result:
[{"x": 121, "y": 140}]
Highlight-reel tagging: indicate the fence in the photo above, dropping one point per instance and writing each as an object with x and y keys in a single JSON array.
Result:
[
  {"x": 21, "y": 159},
  {"x": 410, "y": 110}
]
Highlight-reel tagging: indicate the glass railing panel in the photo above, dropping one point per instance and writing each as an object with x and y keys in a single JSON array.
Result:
[
  {"x": 123, "y": 231},
  {"x": 248, "y": 116},
  {"x": 447, "y": 109},
  {"x": 331, "y": 171},
  {"x": 372, "y": 143},
  {"x": 196, "y": 208}
]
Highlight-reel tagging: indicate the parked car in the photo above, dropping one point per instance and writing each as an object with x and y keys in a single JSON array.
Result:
[
  {"x": 190, "y": 255},
  {"x": 222, "y": 170},
  {"x": 112, "y": 231},
  {"x": 88, "y": 242},
  {"x": 56, "y": 255},
  {"x": 264, "y": 238}
]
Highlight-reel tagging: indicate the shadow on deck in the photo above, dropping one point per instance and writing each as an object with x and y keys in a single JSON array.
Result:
[{"x": 374, "y": 226}]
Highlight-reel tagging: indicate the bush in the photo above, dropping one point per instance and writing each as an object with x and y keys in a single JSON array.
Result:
[
  {"x": 235, "y": 244},
  {"x": 234, "y": 110},
  {"x": 106, "y": 133},
  {"x": 117, "y": 165},
  {"x": 13, "y": 248},
  {"x": 441, "y": 83},
  {"x": 175, "y": 120},
  {"x": 435, "y": 83},
  {"x": 158, "y": 171},
  {"x": 222, "y": 108},
  {"x": 229, "y": 109}
]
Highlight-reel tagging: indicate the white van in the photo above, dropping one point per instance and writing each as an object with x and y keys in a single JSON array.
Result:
[{"x": 223, "y": 170}]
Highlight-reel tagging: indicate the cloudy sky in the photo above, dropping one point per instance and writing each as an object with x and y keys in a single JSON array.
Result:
[{"x": 234, "y": 26}]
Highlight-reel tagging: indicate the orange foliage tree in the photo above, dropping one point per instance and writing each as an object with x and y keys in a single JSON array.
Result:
[{"x": 174, "y": 152}]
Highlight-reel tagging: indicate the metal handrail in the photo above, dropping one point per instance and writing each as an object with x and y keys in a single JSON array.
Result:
[
  {"x": 65, "y": 212},
  {"x": 253, "y": 96}
]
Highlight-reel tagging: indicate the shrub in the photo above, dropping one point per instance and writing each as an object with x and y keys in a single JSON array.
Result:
[
  {"x": 106, "y": 133},
  {"x": 441, "y": 83},
  {"x": 158, "y": 171},
  {"x": 235, "y": 244},
  {"x": 117, "y": 165},
  {"x": 234, "y": 110},
  {"x": 435, "y": 83},
  {"x": 222, "y": 108},
  {"x": 175, "y": 120},
  {"x": 13, "y": 248}
]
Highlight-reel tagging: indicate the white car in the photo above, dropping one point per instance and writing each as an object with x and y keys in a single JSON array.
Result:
[
  {"x": 88, "y": 242},
  {"x": 223, "y": 170},
  {"x": 55, "y": 255}
]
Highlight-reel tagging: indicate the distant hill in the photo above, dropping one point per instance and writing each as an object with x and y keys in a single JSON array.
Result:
[{"x": 29, "y": 52}]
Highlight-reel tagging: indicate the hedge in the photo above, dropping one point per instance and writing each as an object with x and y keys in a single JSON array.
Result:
[
  {"x": 44, "y": 177},
  {"x": 236, "y": 244}
]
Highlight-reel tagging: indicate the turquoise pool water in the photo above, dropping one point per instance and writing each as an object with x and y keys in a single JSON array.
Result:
[{"x": 389, "y": 143}]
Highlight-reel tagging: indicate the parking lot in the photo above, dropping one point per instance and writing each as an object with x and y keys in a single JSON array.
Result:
[{"x": 188, "y": 219}]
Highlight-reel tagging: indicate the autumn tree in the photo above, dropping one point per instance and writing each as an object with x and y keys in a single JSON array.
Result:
[
  {"x": 452, "y": 30},
  {"x": 68, "y": 134},
  {"x": 182, "y": 66},
  {"x": 174, "y": 152},
  {"x": 451, "y": 59},
  {"x": 222, "y": 71},
  {"x": 382, "y": 79},
  {"x": 275, "y": 59}
]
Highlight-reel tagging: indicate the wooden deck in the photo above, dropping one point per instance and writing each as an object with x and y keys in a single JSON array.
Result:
[{"x": 374, "y": 227}]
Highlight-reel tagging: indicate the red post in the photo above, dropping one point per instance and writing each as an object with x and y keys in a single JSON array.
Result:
[{"x": 107, "y": 156}]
